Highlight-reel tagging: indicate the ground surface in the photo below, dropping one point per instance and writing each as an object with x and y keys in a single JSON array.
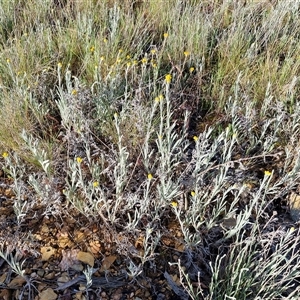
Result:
[{"x": 55, "y": 252}]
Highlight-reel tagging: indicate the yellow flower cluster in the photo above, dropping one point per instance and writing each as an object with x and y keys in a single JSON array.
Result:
[
  {"x": 153, "y": 63},
  {"x": 174, "y": 204},
  {"x": 79, "y": 159},
  {"x": 168, "y": 78},
  {"x": 95, "y": 184},
  {"x": 144, "y": 60},
  {"x": 159, "y": 98},
  {"x": 268, "y": 173}
]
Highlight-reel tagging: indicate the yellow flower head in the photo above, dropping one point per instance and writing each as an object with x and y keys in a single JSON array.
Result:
[
  {"x": 95, "y": 184},
  {"x": 74, "y": 92},
  {"x": 168, "y": 78},
  {"x": 59, "y": 65},
  {"x": 153, "y": 63},
  {"x": 4, "y": 154},
  {"x": 174, "y": 204},
  {"x": 150, "y": 176},
  {"x": 186, "y": 53},
  {"x": 79, "y": 159},
  {"x": 92, "y": 49},
  {"x": 105, "y": 40},
  {"x": 166, "y": 35},
  {"x": 195, "y": 138},
  {"x": 144, "y": 60},
  {"x": 192, "y": 69},
  {"x": 159, "y": 98},
  {"x": 102, "y": 58},
  {"x": 268, "y": 173},
  {"x": 153, "y": 51},
  {"x": 8, "y": 60},
  {"x": 193, "y": 193}
]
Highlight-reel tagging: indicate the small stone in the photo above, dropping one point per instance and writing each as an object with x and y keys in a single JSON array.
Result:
[
  {"x": 50, "y": 276},
  {"x": 48, "y": 294},
  {"x": 77, "y": 267},
  {"x": 107, "y": 262},
  {"x": 17, "y": 282},
  {"x": 41, "y": 286},
  {"x": 147, "y": 294},
  {"x": 41, "y": 273},
  {"x": 78, "y": 296},
  {"x": 37, "y": 265},
  {"x": 86, "y": 258},
  {"x": 63, "y": 279},
  {"x": 47, "y": 252}
]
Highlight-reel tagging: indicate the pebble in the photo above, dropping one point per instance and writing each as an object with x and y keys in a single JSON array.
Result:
[
  {"x": 50, "y": 276},
  {"x": 41, "y": 273}
]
